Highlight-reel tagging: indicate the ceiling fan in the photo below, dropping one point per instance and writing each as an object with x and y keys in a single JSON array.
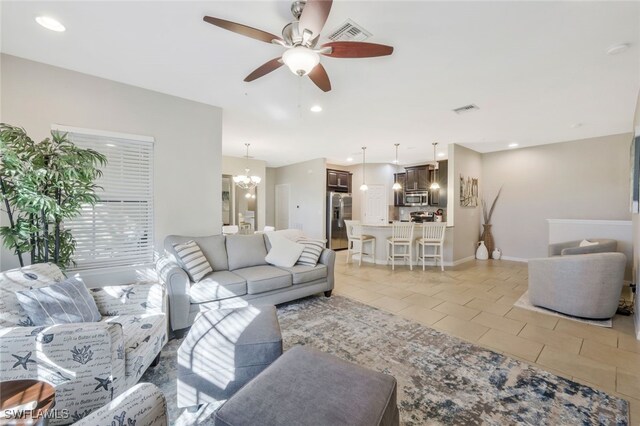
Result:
[{"x": 300, "y": 38}]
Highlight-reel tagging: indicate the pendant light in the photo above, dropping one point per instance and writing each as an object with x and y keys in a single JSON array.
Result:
[
  {"x": 396, "y": 185},
  {"x": 245, "y": 181},
  {"x": 434, "y": 183},
  {"x": 364, "y": 186}
]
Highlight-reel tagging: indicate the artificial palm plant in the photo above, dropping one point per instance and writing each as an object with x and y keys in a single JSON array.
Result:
[{"x": 41, "y": 185}]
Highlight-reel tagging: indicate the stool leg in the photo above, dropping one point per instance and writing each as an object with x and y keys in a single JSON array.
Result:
[
  {"x": 441, "y": 258},
  {"x": 362, "y": 243},
  {"x": 410, "y": 257},
  {"x": 373, "y": 250}
]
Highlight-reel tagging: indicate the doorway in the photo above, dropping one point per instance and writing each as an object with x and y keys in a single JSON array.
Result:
[{"x": 375, "y": 208}]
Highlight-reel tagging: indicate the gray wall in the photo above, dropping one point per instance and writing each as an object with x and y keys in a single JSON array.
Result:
[
  {"x": 584, "y": 179},
  {"x": 307, "y": 181},
  {"x": 188, "y": 135},
  {"x": 465, "y": 220},
  {"x": 270, "y": 196}
]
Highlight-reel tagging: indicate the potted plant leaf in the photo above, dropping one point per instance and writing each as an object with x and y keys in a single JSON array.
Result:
[{"x": 41, "y": 185}]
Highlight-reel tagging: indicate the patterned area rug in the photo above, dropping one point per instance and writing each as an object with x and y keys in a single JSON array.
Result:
[
  {"x": 441, "y": 379},
  {"x": 524, "y": 303}
]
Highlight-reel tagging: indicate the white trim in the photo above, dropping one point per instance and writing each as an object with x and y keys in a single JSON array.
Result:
[
  {"x": 514, "y": 259},
  {"x": 590, "y": 222},
  {"x": 460, "y": 261},
  {"x": 102, "y": 133}
]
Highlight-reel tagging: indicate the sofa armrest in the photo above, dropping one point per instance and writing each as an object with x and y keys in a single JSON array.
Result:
[
  {"x": 178, "y": 284},
  {"x": 143, "y": 404},
  {"x": 328, "y": 258},
  {"x": 85, "y": 362},
  {"x": 131, "y": 299}
]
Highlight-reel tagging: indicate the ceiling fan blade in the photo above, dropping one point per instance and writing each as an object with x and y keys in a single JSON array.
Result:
[
  {"x": 265, "y": 69},
  {"x": 356, "y": 49},
  {"x": 314, "y": 15},
  {"x": 319, "y": 76},
  {"x": 242, "y": 29}
]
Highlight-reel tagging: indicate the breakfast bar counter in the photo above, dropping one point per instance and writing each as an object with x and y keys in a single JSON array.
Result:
[{"x": 382, "y": 231}]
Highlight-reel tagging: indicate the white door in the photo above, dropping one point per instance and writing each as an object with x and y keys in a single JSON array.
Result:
[
  {"x": 376, "y": 210},
  {"x": 282, "y": 206}
]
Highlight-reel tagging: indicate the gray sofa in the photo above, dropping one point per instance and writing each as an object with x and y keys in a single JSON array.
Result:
[{"x": 240, "y": 277}]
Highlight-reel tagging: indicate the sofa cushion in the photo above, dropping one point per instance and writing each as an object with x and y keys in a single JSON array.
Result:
[
  {"x": 213, "y": 247},
  {"x": 144, "y": 337},
  {"x": 305, "y": 274},
  {"x": 217, "y": 286},
  {"x": 264, "y": 278},
  {"x": 192, "y": 260},
  {"x": 245, "y": 251},
  {"x": 283, "y": 252},
  {"x": 32, "y": 276},
  {"x": 59, "y": 303}
]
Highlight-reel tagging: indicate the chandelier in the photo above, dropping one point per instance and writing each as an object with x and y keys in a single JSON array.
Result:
[{"x": 246, "y": 181}]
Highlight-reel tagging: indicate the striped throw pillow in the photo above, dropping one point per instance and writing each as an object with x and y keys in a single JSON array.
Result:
[
  {"x": 61, "y": 303},
  {"x": 193, "y": 261},
  {"x": 312, "y": 251}
]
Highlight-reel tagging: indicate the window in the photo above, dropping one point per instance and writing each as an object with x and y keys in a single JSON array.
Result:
[{"x": 118, "y": 230}]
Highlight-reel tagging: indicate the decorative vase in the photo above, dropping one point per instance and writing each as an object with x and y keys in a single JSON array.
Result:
[
  {"x": 496, "y": 254},
  {"x": 487, "y": 237},
  {"x": 482, "y": 253}
]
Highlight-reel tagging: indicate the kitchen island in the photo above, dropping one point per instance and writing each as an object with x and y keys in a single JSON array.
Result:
[{"x": 383, "y": 231}]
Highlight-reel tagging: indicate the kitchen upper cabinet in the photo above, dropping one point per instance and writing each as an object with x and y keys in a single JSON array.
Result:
[
  {"x": 417, "y": 178},
  {"x": 338, "y": 181},
  {"x": 438, "y": 197},
  {"x": 398, "y": 196}
]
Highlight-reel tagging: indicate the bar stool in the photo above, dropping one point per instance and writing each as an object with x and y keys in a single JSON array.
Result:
[
  {"x": 401, "y": 235},
  {"x": 432, "y": 236},
  {"x": 354, "y": 235}
]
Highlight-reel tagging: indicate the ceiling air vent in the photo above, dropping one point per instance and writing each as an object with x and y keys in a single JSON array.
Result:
[
  {"x": 466, "y": 108},
  {"x": 350, "y": 31}
]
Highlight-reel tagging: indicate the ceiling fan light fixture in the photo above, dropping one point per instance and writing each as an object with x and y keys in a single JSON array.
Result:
[{"x": 301, "y": 60}]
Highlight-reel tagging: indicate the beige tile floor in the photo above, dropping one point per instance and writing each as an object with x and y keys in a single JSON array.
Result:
[{"x": 474, "y": 302}]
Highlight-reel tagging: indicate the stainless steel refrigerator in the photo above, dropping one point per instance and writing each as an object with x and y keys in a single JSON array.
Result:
[{"x": 338, "y": 210}]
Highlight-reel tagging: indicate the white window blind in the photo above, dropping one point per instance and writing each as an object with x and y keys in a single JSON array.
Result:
[{"x": 118, "y": 230}]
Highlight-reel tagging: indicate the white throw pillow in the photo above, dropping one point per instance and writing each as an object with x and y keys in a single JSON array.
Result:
[
  {"x": 284, "y": 252},
  {"x": 585, "y": 243}
]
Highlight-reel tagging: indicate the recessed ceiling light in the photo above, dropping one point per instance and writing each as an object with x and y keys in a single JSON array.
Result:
[
  {"x": 576, "y": 125},
  {"x": 441, "y": 154},
  {"x": 316, "y": 108},
  {"x": 513, "y": 145},
  {"x": 617, "y": 48},
  {"x": 50, "y": 24},
  {"x": 110, "y": 145},
  {"x": 350, "y": 159}
]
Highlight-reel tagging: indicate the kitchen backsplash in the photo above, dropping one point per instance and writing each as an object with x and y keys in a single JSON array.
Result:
[{"x": 403, "y": 213}]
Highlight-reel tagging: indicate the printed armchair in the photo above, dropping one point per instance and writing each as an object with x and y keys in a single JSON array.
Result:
[{"x": 88, "y": 363}]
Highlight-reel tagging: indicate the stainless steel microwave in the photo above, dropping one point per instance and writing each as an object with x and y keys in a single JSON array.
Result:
[{"x": 416, "y": 199}]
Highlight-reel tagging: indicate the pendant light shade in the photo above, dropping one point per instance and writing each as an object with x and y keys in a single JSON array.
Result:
[
  {"x": 246, "y": 181},
  {"x": 364, "y": 186},
  {"x": 396, "y": 185},
  {"x": 434, "y": 183}
]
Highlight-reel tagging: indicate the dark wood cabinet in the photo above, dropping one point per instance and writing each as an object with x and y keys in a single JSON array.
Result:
[
  {"x": 398, "y": 196},
  {"x": 338, "y": 180},
  {"x": 417, "y": 178},
  {"x": 438, "y": 197}
]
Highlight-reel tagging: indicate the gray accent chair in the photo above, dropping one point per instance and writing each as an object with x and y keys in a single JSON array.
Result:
[
  {"x": 240, "y": 277},
  {"x": 582, "y": 285},
  {"x": 573, "y": 247}
]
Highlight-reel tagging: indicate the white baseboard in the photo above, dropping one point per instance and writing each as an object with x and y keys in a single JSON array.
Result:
[
  {"x": 460, "y": 261},
  {"x": 514, "y": 259}
]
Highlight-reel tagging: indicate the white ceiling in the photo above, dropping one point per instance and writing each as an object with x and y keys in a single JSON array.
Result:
[{"x": 535, "y": 69}]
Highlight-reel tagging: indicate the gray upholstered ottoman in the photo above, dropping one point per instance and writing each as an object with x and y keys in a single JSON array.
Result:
[
  {"x": 224, "y": 349},
  {"x": 308, "y": 387}
]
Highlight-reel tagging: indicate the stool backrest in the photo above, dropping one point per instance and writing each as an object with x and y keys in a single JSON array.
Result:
[
  {"x": 354, "y": 230},
  {"x": 402, "y": 230},
  {"x": 230, "y": 229},
  {"x": 433, "y": 231}
]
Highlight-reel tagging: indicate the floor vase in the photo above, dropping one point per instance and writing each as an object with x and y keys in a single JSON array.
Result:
[{"x": 487, "y": 237}]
